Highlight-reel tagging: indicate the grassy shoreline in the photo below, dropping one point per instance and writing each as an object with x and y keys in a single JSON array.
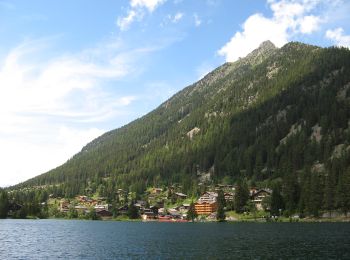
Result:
[{"x": 242, "y": 220}]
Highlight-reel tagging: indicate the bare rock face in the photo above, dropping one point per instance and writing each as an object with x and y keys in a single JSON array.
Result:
[
  {"x": 193, "y": 132},
  {"x": 260, "y": 54}
]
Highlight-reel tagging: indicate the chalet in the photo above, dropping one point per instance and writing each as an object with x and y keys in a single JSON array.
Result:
[
  {"x": 180, "y": 195},
  {"x": 208, "y": 196},
  {"x": 123, "y": 210},
  {"x": 82, "y": 198},
  {"x": 81, "y": 208},
  {"x": 64, "y": 205},
  {"x": 205, "y": 208},
  {"x": 140, "y": 204},
  {"x": 104, "y": 213},
  {"x": 148, "y": 214},
  {"x": 161, "y": 211},
  {"x": 154, "y": 209},
  {"x": 224, "y": 187},
  {"x": 212, "y": 216},
  {"x": 175, "y": 214},
  {"x": 101, "y": 207},
  {"x": 229, "y": 196},
  {"x": 183, "y": 208},
  {"x": 252, "y": 191},
  {"x": 186, "y": 206},
  {"x": 258, "y": 197}
]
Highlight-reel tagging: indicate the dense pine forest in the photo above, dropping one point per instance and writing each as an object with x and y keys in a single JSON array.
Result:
[{"x": 278, "y": 118}]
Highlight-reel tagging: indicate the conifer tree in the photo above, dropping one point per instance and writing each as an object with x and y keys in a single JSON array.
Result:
[
  {"x": 133, "y": 212},
  {"x": 277, "y": 203},
  {"x": 329, "y": 193},
  {"x": 241, "y": 195},
  {"x": 343, "y": 192},
  {"x": 315, "y": 195},
  {"x": 220, "y": 213},
  {"x": 191, "y": 213},
  {"x": 4, "y": 204}
]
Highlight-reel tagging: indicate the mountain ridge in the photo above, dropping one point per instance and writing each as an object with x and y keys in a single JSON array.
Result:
[{"x": 253, "y": 118}]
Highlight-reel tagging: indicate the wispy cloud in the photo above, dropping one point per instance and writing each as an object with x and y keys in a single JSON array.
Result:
[
  {"x": 151, "y": 5},
  {"x": 197, "y": 20},
  {"x": 177, "y": 17},
  {"x": 124, "y": 22},
  {"x": 136, "y": 12},
  {"x": 338, "y": 37},
  {"x": 49, "y": 106}
]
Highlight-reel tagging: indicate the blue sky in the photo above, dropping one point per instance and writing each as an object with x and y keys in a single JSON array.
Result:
[{"x": 72, "y": 70}]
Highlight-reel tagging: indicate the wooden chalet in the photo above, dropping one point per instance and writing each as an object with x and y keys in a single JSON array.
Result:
[
  {"x": 205, "y": 208},
  {"x": 148, "y": 214},
  {"x": 123, "y": 210},
  {"x": 208, "y": 196},
  {"x": 180, "y": 195},
  {"x": 104, "y": 213},
  {"x": 258, "y": 196}
]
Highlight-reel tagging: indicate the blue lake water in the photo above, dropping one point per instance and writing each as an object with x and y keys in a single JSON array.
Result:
[{"x": 65, "y": 239}]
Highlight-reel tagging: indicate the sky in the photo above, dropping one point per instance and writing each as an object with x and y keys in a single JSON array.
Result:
[{"x": 72, "y": 70}]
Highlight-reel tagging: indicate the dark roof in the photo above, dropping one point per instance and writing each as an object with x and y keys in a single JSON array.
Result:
[{"x": 268, "y": 191}]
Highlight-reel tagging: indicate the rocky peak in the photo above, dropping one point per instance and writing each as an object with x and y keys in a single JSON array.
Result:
[
  {"x": 266, "y": 46},
  {"x": 264, "y": 50}
]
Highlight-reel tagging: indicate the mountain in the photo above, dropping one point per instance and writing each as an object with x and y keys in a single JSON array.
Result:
[{"x": 277, "y": 114}]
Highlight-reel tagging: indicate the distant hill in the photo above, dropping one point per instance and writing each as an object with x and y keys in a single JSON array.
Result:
[{"x": 277, "y": 114}]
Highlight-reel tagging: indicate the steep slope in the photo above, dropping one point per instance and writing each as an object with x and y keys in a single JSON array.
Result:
[{"x": 274, "y": 112}]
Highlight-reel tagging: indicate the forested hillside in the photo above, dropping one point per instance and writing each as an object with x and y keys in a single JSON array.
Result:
[{"x": 280, "y": 116}]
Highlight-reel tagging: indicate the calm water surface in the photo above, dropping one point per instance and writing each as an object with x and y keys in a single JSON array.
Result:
[{"x": 64, "y": 239}]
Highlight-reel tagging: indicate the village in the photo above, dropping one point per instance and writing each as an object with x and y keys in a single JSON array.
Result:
[{"x": 161, "y": 204}]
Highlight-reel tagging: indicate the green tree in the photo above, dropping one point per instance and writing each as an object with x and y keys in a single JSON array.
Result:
[
  {"x": 241, "y": 195},
  {"x": 315, "y": 195},
  {"x": 251, "y": 207},
  {"x": 191, "y": 213},
  {"x": 329, "y": 193},
  {"x": 220, "y": 213},
  {"x": 4, "y": 204},
  {"x": 133, "y": 212},
  {"x": 343, "y": 192},
  {"x": 72, "y": 213},
  {"x": 92, "y": 214},
  {"x": 277, "y": 203},
  {"x": 291, "y": 191}
]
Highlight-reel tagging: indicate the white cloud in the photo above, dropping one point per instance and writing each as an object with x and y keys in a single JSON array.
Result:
[
  {"x": 149, "y": 4},
  {"x": 137, "y": 12},
  {"x": 338, "y": 37},
  {"x": 309, "y": 24},
  {"x": 177, "y": 17},
  {"x": 38, "y": 150},
  {"x": 197, "y": 20},
  {"x": 48, "y": 107},
  {"x": 124, "y": 22},
  {"x": 289, "y": 18}
]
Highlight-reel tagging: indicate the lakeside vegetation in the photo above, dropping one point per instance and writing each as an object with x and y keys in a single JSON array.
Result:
[{"x": 128, "y": 206}]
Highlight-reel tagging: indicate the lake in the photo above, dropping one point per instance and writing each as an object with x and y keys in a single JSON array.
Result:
[{"x": 74, "y": 239}]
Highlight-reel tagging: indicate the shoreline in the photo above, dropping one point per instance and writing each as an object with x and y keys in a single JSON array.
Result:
[{"x": 259, "y": 220}]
